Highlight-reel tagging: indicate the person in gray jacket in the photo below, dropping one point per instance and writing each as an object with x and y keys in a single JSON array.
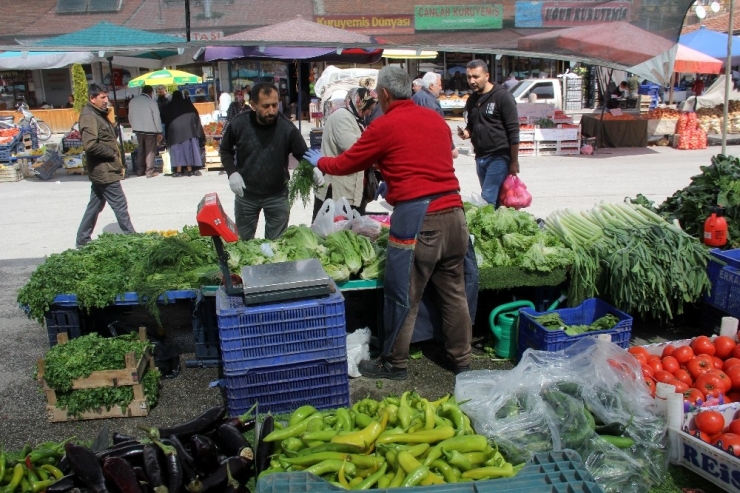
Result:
[
  {"x": 104, "y": 165},
  {"x": 145, "y": 120},
  {"x": 429, "y": 92}
]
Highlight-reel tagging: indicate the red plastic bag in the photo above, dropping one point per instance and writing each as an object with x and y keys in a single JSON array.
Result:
[{"x": 514, "y": 193}]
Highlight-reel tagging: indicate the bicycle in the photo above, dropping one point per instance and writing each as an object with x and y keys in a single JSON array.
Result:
[{"x": 43, "y": 132}]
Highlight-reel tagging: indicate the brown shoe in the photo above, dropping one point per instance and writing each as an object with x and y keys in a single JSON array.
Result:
[{"x": 152, "y": 175}]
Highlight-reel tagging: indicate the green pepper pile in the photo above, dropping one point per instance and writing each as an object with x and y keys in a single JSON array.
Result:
[
  {"x": 396, "y": 442},
  {"x": 31, "y": 469}
]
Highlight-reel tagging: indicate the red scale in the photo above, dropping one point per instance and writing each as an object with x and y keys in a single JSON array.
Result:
[{"x": 213, "y": 222}]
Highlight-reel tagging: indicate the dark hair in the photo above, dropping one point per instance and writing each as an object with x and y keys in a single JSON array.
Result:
[
  {"x": 93, "y": 90},
  {"x": 261, "y": 88},
  {"x": 147, "y": 89},
  {"x": 478, "y": 63},
  {"x": 177, "y": 95}
]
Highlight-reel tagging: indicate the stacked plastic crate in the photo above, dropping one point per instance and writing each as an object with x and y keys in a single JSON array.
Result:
[{"x": 283, "y": 355}]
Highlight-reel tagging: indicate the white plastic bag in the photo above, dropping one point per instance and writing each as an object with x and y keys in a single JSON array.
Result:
[
  {"x": 358, "y": 349},
  {"x": 477, "y": 200},
  {"x": 363, "y": 225},
  {"x": 323, "y": 225}
]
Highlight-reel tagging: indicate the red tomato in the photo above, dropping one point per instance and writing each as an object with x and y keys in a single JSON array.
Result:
[
  {"x": 683, "y": 376},
  {"x": 683, "y": 354},
  {"x": 653, "y": 357},
  {"x": 718, "y": 363},
  {"x": 647, "y": 371},
  {"x": 679, "y": 385},
  {"x": 702, "y": 345},
  {"x": 736, "y": 352},
  {"x": 635, "y": 350},
  {"x": 640, "y": 358},
  {"x": 710, "y": 385},
  {"x": 734, "y": 373},
  {"x": 700, "y": 435},
  {"x": 729, "y": 363},
  {"x": 668, "y": 350},
  {"x": 650, "y": 386},
  {"x": 655, "y": 364},
  {"x": 723, "y": 347},
  {"x": 693, "y": 396},
  {"x": 729, "y": 442},
  {"x": 734, "y": 426},
  {"x": 725, "y": 379},
  {"x": 697, "y": 366},
  {"x": 670, "y": 364},
  {"x": 663, "y": 376},
  {"x": 710, "y": 422}
]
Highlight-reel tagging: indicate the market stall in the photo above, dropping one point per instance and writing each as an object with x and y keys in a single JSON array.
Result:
[{"x": 623, "y": 131}]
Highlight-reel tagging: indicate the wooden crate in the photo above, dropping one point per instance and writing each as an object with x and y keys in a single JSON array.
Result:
[
  {"x": 80, "y": 170},
  {"x": 13, "y": 172},
  {"x": 213, "y": 161},
  {"x": 131, "y": 376}
]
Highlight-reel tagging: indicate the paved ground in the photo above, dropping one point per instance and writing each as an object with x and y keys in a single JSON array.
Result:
[{"x": 39, "y": 218}]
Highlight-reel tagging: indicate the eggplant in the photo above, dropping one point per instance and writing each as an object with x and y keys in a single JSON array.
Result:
[
  {"x": 205, "y": 453},
  {"x": 233, "y": 442},
  {"x": 65, "y": 484},
  {"x": 174, "y": 467},
  {"x": 120, "y": 437},
  {"x": 206, "y": 421},
  {"x": 142, "y": 479},
  {"x": 120, "y": 473},
  {"x": 153, "y": 466},
  {"x": 133, "y": 453},
  {"x": 264, "y": 449},
  {"x": 239, "y": 468},
  {"x": 119, "y": 445},
  {"x": 232, "y": 485},
  {"x": 184, "y": 455},
  {"x": 86, "y": 466},
  {"x": 243, "y": 423}
]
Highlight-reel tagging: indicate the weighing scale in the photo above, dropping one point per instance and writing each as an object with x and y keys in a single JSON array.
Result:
[{"x": 266, "y": 283}]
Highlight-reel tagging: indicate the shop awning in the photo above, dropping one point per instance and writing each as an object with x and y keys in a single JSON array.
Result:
[
  {"x": 692, "y": 61},
  {"x": 106, "y": 35},
  {"x": 35, "y": 60}
]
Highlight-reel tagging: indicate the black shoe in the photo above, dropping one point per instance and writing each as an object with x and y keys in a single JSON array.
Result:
[
  {"x": 443, "y": 361},
  {"x": 176, "y": 174},
  {"x": 381, "y": 369},
  {"x": 196, "y": 173},
  {"x": 189, "y": 173}
]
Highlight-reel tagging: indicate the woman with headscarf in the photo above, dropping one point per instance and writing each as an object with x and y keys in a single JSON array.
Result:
[
  {"x": 342, "y": 129},
  {"x": 185, "y": 135}
]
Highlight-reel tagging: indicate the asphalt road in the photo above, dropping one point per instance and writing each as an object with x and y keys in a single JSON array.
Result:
[{"x": 38, "y": 218}]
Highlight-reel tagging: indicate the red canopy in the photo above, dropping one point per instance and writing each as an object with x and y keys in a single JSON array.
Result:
[{"x": 696, "y": 62}]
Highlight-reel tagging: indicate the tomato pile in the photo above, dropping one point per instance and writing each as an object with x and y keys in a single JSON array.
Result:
[
  {"x": 702, "y": 371},
  {"x": 710, "y": 428}
]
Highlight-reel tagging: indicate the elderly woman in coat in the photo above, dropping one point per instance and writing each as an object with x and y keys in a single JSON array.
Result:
[
  {"x": 342, "y": 129},
  {"x": 185, "y": 135}
]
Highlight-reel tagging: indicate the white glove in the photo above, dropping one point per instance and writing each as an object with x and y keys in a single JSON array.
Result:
[
  {"x": 318, "y": 177},
  {"x": 236, "y": 182}
]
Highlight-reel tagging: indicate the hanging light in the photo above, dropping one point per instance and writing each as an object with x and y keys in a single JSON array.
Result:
[{"x": 411, "y": 54}]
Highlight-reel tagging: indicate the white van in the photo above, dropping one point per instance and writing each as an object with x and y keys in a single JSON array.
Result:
[{"x": 548, "y": 91}]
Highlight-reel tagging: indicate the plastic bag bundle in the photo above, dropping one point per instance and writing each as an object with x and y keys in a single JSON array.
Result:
[
  {"x": 514, "y": 193},
  {"x": 555, "y": 400},
  {"x": 358, "y": 349},
  {"x": 332, "y": 217}
]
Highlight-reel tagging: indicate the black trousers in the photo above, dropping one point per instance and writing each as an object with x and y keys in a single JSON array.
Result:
[{"x": 112, "y": 193}]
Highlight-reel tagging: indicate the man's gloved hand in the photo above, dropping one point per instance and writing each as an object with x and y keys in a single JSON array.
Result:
[
  {"x": 318, "y": 177},
  {"x": 313, "y": 156},
  {"x": 236, "y": 182},
  {"x": 382, "y": 189}
]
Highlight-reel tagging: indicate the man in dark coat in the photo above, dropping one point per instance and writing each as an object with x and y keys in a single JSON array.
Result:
[{"x": 104, "y": 165}]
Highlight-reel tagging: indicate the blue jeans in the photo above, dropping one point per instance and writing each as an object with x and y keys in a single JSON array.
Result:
[{"x": 492, "y": 171}]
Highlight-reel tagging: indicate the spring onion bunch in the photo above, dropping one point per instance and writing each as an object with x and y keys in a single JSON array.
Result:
[{"x": 633, "y": 257}]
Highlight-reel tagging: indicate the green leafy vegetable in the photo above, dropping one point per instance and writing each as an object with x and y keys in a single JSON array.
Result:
[{"x": 301, "y": 183}]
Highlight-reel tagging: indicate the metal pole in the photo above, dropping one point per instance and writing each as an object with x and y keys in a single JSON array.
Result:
[
  {"x": 299, "y": 112},
  {"x": 115, "y": 111},
  {"x": 728, "y": 78},
  {"x": 187, "y": 20}
]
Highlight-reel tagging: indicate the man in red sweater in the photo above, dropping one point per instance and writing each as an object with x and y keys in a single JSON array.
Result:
[{"x": 429, "y": 237}]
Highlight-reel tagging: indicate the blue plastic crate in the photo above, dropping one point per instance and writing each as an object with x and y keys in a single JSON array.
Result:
[
  {"x": 276, "y": 334},
  {"x": 63, "y": 319},
  {"x": 7, "y": 150},
  {"x": 532, "y": 335},
  {"x": 552, "y": 472},
  {"x": 131, "y": 298},
  {"x": 730, "y": 257},
  {"x": 322, "y": 384},
  {"x": 725, "y": 293}
]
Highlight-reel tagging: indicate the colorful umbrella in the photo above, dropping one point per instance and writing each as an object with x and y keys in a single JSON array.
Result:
[{"x": 165, "y": 77}]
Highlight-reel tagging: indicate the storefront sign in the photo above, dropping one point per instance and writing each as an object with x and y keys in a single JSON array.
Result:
[
  {"x": 369, "y": 24},
  {"x": 200, "y": 35},
  {"x": 458, "y": 17},
  {"x": 569, "y": 14}
]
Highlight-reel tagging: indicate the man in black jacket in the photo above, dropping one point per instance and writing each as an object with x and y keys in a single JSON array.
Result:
[
  {"x": 493, "y": 127},
  {"x": 262, "y": 140}
]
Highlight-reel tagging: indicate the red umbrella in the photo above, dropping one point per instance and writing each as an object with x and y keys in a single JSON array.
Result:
[
  {"x": 616, "y": 42},
  {"x": 696, "y": 62}
]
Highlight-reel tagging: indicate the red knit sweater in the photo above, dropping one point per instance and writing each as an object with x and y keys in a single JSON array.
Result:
[{"x": 411, "y": 146}]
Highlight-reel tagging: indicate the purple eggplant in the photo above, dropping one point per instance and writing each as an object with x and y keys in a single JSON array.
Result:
[
  {"x": 119, "y": 472},
  {"x": 86, "y": 466}
]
